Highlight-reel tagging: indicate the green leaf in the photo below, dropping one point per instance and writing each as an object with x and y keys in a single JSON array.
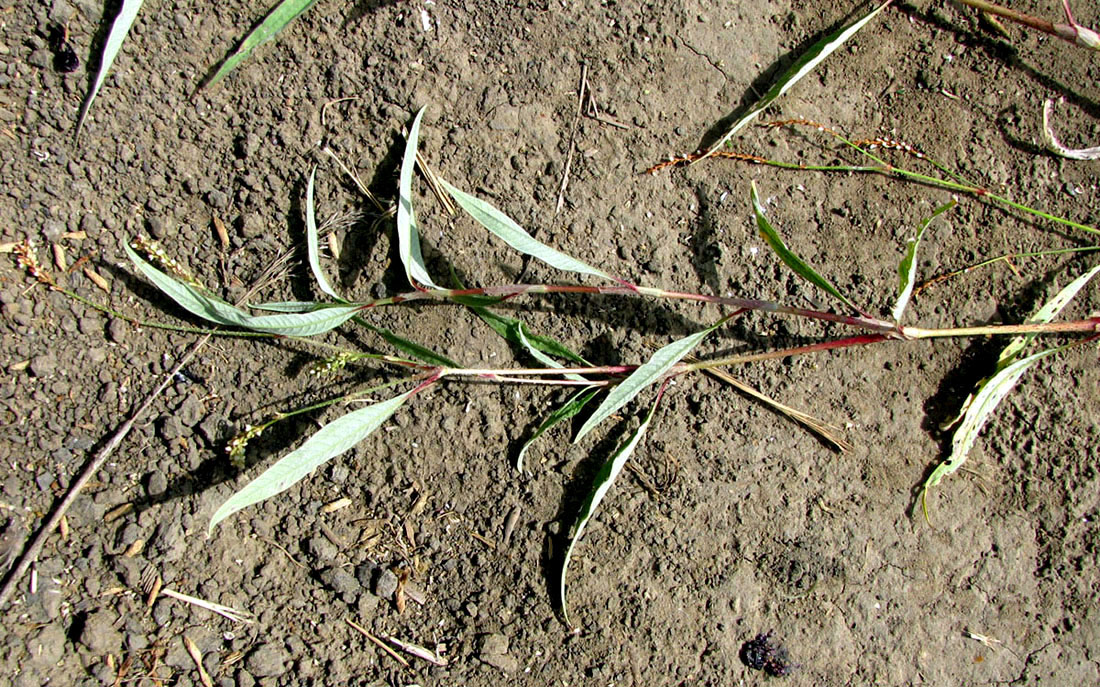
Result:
[
  {"x": 538, "y": 355},
  {"x": 412, "y": 348},
  {"x": 508, "y": 329},
  {"x": 801, "y": 67},
  {"x": 311, "y": 240},
  {"x": 119, "y": 28},
  {"x": 408, "y": 236},
  {"x": 330, "y": 441},
  {"x": 646, "y": 373},
  {"x": 991, "y": 392},
  {"x": 570, "y": 408},
  {"x": 907, "y": 270},
  {"x": 321, "y": 319},
  {"x": 505, "y": 228},
  {"x": 604, "y": 479},
  {"x": 276, "y": 20},
  {"x": 771, "y": 237}
]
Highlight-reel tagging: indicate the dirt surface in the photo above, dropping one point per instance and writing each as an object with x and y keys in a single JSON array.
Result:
[{"x": 732, "y": 522}]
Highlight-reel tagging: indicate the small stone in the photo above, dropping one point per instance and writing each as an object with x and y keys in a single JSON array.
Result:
[
  {"x": 252, "y": 225},
  {"x": 99, "y": 634},
  {"x": 117, "y": 329},
  {"x": 39, "y": 58},
  {"x": 385, "y": 584},
  {"x": 493, "y": 649},
  {"x": 157, "y": 484},
  {"x": 53, "y": 229},
  {"x": 157, "y": 227},
  {"x": 340, "y": 581},
  {"x": 321, "y": 549},
  {"x": 505, "y": 118},
  {"x": 48, "y": 645},
  {"x": 267, "y": 660},
  {"x": 218, "y": 199},
  {"x": 190, "y": 411},
  {"x": 90, "y": 326},
  {"x": 43, "y": 365},
  {"x": 170, "y": 427},
  {"x": 493, "y": 643}
]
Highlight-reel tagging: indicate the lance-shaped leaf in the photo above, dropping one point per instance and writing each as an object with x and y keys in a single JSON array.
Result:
[
  {"x": 294, "y": 323},
  {"x": 1046, "y": 313},
  {"x": 330, "y": 441},
  {"x": 570, "y": 408},
  {"x": 408, "y": 235},
  {"x": 1012, "y": 351},
  {"x": 907, "y": 269},
  {"x": 984, "y": 402},
  {"x": 604, "y": 479},
  {"x": 801, "y": 67},
  {"x": 771, "y": 237},
  {"x": 517, "y": 237},
  {"x": 284, "y": 13},
  {"x": 311, "y": 240},
  {"x": 119, "y": 28},
  {"x": 508, "y": 328},
  {"x": 648, "y": 372},
  {"x": 538, "y": 355}
]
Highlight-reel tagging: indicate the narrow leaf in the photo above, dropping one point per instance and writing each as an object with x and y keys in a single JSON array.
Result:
[
  {"x": 412, "y": 348},
  {"x": 1046, "y": 313},
  {"x": 985, "y": 401},
  {"x": 276, "y": 20},
  {"x": 330, "y": 441},
  {"x": 907, "y": 270},
  {"x": 508, "y": 328},
  {"x": 538, "y": 354},
  {"x": 801, "y": 67},
  {"x": 569, "y": 409},
  {"x": 119, "y": 28},
  {"x": 408, "y": 235},
  {"x": 311, "y": 240},
  {"x": 771, "y": 237},
  {"x": 318, "y": 320},
  {"x": 1012, "y": 351},
  {"x": 646, "y": 373},
  {"x": 604, "y": 479},
  {"x": 505, "y": 228}
]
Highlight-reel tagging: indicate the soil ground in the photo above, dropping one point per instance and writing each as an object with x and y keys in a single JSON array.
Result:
[{"x": 732, "y": 521}]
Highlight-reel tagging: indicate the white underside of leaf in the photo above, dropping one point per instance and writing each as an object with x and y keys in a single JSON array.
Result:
[
  {"x": 330, "y": 441},
  {"x": 121, "y": 26}
]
